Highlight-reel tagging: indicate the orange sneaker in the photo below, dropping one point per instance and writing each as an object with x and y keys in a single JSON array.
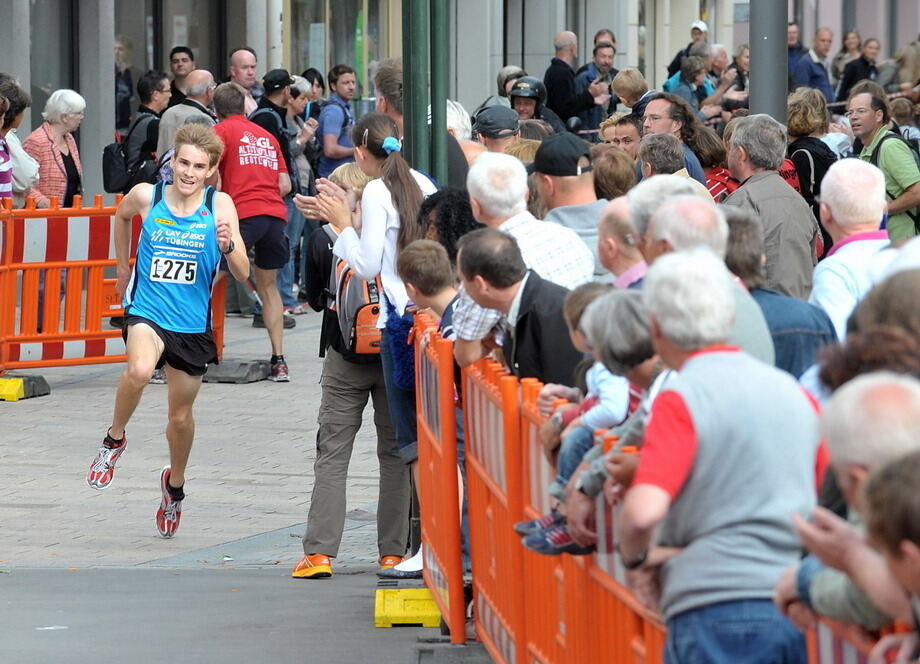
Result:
[
  {"x": 313, "y": 566},
  {"x": 386, "y": 562}
]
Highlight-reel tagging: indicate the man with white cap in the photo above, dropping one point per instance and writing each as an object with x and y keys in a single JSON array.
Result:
[{"x": 699, "y": 32}]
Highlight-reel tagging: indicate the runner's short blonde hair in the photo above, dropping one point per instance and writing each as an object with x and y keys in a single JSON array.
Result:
[{"x": 202, "y": 138}]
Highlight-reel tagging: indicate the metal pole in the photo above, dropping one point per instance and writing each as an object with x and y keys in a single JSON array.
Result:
[
  {"x": 769, "y": 59},
  {"x": 439, "y": 74},
  {"x": 418, "y": 90},
  {"x": 408, "y": 143}
]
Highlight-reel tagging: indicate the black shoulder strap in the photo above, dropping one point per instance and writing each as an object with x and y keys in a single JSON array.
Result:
[
  {"x": 330, "y": 232},
  {"x": 209, "y": 194},
  {"x": 873, "y": 159},
  {"x": 262, "y": 111},
  {"x": 158, "y": 191}
]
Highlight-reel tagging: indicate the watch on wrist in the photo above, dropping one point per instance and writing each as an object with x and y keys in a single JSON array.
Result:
[
  {"x": 556, "y": 420},
  {"x": 229, "y": 249},
  {"x": 634, "y": 564}
]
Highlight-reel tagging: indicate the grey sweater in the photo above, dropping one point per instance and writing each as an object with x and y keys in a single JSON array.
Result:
[{"x": 757, "y": 440}]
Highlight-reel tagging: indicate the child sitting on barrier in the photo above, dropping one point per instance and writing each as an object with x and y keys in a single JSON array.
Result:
[{"x": 569, "y": 433}]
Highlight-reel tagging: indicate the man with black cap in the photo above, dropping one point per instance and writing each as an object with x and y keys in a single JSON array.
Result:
[
  {"x": 565, "y": 180},
  {"x": 498, "y": 127},
  {"x": 271, "y": 114}
]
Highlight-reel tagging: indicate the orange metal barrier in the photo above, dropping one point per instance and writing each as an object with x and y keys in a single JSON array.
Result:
[
  {"x": 438, "y": 483},
  {"x": 556, "y": 618},
  {"x": 833, "y": 643},
  {"x": 54, "y": 294},
  {"x": 572, "y": 609},
  {"x": 495, "y": 498}
]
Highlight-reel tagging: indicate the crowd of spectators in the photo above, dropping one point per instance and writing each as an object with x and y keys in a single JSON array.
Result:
[{"x": 732, "y": 296}]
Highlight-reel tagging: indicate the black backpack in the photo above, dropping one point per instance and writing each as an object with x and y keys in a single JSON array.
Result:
[
  {"x": 914, "y": 146},
  {"x": 118, "y": 173}
]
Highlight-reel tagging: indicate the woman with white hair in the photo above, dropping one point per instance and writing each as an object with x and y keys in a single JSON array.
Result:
[{"x": 52, "y": 145}]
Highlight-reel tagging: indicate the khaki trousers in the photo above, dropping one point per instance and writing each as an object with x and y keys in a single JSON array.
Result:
[{"x": 346, "y": 387}]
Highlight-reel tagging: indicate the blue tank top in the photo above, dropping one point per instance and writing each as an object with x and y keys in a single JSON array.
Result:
[{"x": 176, "y": 267}]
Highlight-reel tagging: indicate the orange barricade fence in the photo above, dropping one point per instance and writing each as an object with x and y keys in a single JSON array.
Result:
[
  {"x": 531, "y": 608},
  {"x": 833, "y": 643},
  {"x": 555, "y": 617},
  {"x": 439, "y": 495},
  {"x": 495, "y": 499},
  {"x": 55, "y": 297}
]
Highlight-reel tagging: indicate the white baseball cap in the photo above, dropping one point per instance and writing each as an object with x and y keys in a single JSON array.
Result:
[{"x": 699, "y": 25}]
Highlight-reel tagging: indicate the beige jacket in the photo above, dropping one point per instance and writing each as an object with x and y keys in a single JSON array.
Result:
[{"x": 789, "y": 231}]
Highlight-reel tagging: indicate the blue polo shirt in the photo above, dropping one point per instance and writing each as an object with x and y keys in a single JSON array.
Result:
[{"x": 335, "y": 118}]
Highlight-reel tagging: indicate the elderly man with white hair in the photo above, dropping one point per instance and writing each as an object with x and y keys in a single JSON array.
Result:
[
  {"x": 649, "y": 194},
  {"x": 497, "y": 184},
  {"x": 730, "y": 451},
  {"x": 870, "y": 421},
  {"x": 755, "y": 153},
  {"x": 688, "y": 222},
  {"x": 852, "y": 206}
]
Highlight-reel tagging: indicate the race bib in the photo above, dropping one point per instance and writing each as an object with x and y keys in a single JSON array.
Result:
[{"x": 173, "y": 270}]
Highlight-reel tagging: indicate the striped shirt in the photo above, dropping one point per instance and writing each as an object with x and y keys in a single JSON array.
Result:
[
  {"x": 6, "y": 170},
  {"x": 720, "y": 184}
]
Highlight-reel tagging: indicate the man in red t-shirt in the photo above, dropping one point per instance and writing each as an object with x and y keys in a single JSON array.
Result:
[{"x": 253, "y": 173}]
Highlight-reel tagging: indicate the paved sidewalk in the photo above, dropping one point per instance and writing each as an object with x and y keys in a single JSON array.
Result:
[
  {"x": 84, "y": 576},
  {"x": 250, "y": 472}
]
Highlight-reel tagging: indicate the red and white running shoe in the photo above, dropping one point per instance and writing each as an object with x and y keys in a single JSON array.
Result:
[
  {"x": 170, "y": 510},
  {"x": 102, "y": 470}
]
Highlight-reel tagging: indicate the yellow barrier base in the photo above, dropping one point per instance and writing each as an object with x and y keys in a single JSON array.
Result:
[
  {"x": 404, "y": 606},
  {"x": 14, "y": 388}
]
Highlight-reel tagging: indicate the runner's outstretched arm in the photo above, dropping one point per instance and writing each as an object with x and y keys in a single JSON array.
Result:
[
  {"x": 228, "y": 228},
  {"x": 135, "y": 202}
]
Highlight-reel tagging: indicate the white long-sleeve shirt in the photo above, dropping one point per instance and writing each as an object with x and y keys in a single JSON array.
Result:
[{"x": 374, "y": 251}]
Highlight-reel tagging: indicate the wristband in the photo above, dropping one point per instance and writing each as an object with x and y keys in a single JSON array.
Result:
[{"x": 634, "y": 564}]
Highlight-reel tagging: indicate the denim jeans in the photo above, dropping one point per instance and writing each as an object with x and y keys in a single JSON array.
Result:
[
  {"x": 573, "y": 449},
  {"x": 294, "y": 231},
  {"x": 464, "y": 506},
  {"x": 750, "y": 631},
  {"x": 402, "y": 406}
]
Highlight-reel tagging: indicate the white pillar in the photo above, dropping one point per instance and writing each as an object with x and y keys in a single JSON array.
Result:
[
  {"x": 542, "y": 20},
  {"x": 475, "y": 62},
  {"x": 96, "y": 31},
  {"x": 14, "y": 29},
  {"x": 257, "y": 34},
  {"x": 274, "y": 57}
]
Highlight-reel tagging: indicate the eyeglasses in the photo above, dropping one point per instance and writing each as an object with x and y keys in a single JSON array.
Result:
[{"x": 858, "y": 111}]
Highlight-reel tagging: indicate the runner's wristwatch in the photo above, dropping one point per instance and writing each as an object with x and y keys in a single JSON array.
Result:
[{"x": 229, "y": 249}]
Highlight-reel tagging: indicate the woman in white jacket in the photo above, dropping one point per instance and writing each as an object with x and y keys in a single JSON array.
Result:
[{"x": 389, "y": 212}]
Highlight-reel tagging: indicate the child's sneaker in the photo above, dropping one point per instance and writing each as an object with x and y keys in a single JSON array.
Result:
[
  {"x": 555, "y": 540},
  {"x": 525, "y": 528}
]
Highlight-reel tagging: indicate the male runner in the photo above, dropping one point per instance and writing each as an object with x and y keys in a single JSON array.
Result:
[{"x": 167, "y": 300}]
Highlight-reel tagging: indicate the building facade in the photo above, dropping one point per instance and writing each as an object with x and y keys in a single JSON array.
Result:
[{"x": 69, "y": 43}]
